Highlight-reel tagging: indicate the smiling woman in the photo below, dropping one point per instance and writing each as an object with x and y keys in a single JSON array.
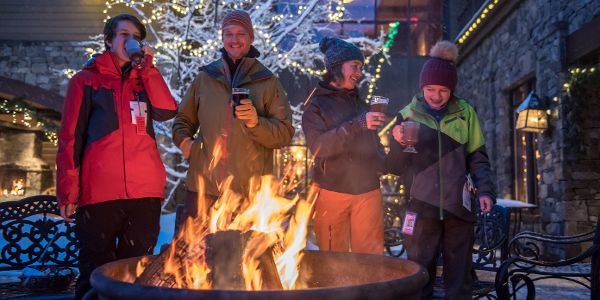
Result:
[{"x": 341, "y": 134}]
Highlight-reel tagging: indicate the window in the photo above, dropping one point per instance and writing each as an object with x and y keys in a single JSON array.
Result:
[
  {"x": 524, "y": 151},
  {"x": 419, "y": 23}
]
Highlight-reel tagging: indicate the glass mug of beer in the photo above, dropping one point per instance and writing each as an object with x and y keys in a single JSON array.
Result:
[
  {"x": 237, "y": 95},
  {"x": 379, "y": 104},
  {"x": 410, "y": 133}
]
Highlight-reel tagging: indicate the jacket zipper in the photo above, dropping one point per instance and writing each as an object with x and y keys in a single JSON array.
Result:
[
  {"x": 440, "y": 165},
  {"x": 123, "y": 135},
  {"x": 440, "y": 169}
]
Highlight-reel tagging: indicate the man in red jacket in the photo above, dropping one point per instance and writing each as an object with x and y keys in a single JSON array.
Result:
[{"x": 108, "y": 165}]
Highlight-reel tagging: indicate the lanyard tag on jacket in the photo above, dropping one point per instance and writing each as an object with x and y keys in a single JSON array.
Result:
[
  {"x": 139, "y": 115},
  {"x": 410, "y": 220}
]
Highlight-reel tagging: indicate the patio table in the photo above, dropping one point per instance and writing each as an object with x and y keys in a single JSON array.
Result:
[{"x": 515, "y": 207}]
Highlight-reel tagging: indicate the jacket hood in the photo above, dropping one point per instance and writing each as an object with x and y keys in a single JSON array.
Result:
[
  {"x": 105, "y": 63},
  {"x": 255, "y": 71},
  {"x": 324, "y": 88},
  {"x": 418, "y": 104}
]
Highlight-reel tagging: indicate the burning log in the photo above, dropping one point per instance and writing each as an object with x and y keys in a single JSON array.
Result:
[
  {"x": 154, "y": 274},
  {"x": 271, "y": 280},
  {"x": 238, "y": 254},
  {"x": 222, "y": 252}
]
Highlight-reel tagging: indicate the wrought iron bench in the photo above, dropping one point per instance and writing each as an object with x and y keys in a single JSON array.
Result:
[
  {"x": 490, "y": 247},
  {"x": 393, "y": 212},
  {"x": 35, "y": 239},
  {"x": 525, "y": 259}
]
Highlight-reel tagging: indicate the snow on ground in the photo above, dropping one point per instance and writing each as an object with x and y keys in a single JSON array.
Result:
[{"x": 167, "y": 228}]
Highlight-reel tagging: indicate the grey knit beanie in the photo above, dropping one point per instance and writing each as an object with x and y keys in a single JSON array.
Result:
[{"x": 338, "y": 51}]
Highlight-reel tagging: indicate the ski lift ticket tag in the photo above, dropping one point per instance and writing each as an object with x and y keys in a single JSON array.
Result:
[
  {"x": 139, "y": 113},
  {"x": 410, "y": 219},
  {"x": 138, "y": 109}
]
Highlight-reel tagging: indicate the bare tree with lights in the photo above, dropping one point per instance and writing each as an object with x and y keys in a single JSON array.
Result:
[{"x": 187, "y": 37}]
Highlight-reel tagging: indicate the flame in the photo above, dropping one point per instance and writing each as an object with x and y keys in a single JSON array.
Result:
[
  {"x": 141, "y": 265},
  {"x": 256, "y": 246},
  {"x": 278, "y": 226},
  {"x": 17, "y": 188},
  {"x": 266, "y": 211},
  {"x": 139, "y": 268},
  {"x": 193, "y": 273},
  {"x": 295, "y": 240},
  {"x": 217, "y": 154}
]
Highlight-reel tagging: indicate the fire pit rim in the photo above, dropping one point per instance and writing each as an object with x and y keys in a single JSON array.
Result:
[{"x": 118, "y": 288}]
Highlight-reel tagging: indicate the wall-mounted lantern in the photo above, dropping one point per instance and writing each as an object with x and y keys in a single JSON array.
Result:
[{"x": 532, "y": 115}]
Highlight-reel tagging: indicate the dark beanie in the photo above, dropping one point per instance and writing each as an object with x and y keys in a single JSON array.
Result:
[
  {"x": 241, "y": 18},
  {"x": 440, "y": 69},
  {"x": 338, "y": 51}
]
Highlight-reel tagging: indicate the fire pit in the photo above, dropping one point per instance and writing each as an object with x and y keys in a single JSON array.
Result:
[
  {"x": 329, "y": 275},
  {"x": 252, "y": 248}
]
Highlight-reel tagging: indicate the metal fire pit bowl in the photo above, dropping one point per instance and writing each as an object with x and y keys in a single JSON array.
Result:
[{"x": 330, "y": 275}]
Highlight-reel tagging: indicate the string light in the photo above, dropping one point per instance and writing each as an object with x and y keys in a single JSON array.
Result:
[
  {"x": 576, "y": 73},
  {"x": 392, "y": 32},
  {"x": 22, "y": 115},
  {"x": 337, "y": 12},
  {"x": 477, "y": 21}
]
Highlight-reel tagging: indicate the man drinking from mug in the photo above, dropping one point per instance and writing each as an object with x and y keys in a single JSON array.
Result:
[
  {"x": 223, "y": 138},
  {"x": 108, "y": 165}
]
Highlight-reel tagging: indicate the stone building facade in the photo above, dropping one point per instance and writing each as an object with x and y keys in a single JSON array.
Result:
[
  {"x": 530, "y": 46},
  {"x": 33, "y": 71},
  {"x": 40, "y": 63},
  {"x": 37, "y": 41}
]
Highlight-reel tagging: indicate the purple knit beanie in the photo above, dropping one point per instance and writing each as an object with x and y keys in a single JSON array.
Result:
[
  {"x": 440, "y": 69},
  {"x": 241, "y": 18}
]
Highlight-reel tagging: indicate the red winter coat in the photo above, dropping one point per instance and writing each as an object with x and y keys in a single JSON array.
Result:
[{"x": 101, "y": 156}]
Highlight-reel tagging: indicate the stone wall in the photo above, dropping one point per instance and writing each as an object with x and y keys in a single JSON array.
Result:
[
  {"x": 20, "y": 150},
  {"x": 40, "y": 63},
  {"x": 530, "y": 44},
  {"x": 582, "y": 189}
]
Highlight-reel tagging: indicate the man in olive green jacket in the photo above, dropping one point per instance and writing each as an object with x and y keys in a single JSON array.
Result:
[{"x": 232, "y": 140}]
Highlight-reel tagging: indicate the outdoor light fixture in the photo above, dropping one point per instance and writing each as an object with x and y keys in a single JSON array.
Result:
[{"x": 532, "y": 115}]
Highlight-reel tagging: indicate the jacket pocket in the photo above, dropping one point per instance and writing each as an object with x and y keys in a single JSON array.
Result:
[
  {"x": 322, "y": 166},
  {"x": 195, "y": 153},
  {"x": 457, "y": 128}
]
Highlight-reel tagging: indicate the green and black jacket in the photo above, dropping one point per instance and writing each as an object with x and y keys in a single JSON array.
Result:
[{"x": 448, "y": 150}]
